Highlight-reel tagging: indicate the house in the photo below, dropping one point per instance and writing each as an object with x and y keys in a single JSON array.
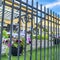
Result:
[
  {"x": 7, "y": 17},
  {"x": 53, "y": 22}
]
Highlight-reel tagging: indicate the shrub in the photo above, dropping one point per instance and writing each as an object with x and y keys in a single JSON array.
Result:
[
  {"x": 38, "y": 37},
  {"x": 5, "y": 35}
]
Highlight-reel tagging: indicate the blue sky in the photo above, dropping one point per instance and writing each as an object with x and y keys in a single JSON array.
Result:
[
  {"x": 51, "y": 4},
  {"x": 54, "y": 5}
]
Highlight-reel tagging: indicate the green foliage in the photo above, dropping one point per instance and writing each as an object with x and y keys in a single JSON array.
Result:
[
  {"x": 44, "y": 29},
  {"x": 53, "y": 32},
  {"x": 5, "y": 35},
  {"x": 42, "y": 37},
  {"x": 15, "y": 44},
  {"x": 23, "y": 39}
]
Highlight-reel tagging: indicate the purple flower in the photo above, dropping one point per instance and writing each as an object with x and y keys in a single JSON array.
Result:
[
  {"x": 9, "y": 44},
  {"x": 6, "y": 41},
  {"x": 59, "y": 37},
  {"x": 18, "y": 41},
  {"x": 29, "y": 42}
]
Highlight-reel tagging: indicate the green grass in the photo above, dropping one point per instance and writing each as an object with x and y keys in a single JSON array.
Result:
[{"x": 47, "y": 55}]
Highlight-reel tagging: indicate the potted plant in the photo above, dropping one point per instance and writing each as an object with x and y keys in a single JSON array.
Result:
[
  {"x": 14, "y": 46},
  {"x": 56, "y": 40}
]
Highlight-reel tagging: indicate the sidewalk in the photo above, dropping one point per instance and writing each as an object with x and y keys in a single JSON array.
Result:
[{"x": 38, "y": 44}]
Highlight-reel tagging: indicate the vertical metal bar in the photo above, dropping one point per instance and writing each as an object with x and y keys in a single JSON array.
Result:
[
  {"x": 12, "y": 12},
  {"x": 36, "y": 29},
  {"x": 1, "y": 34},
  {"x": 59, "y": 40},
  {"x": 44, "y": 34},
  {"x": 41, "y": 34},
  {"x": 31, "y": 30},
  {"x": 48, "y": 34},
  {"x": 0, "y": 2},
  {"x": 56, "y": 37},
  {"x": 26, "y": 29},
  {"x": 51, "y": 36},
  {"x": 18, "y": 54},
  {"x": 59, "y": 34}
]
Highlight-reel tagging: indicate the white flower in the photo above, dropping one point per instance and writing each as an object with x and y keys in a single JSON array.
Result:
[{"x": 4, "y": 47}]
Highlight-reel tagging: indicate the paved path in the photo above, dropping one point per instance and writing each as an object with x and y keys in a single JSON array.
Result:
[{"x": 38, "y": 44}]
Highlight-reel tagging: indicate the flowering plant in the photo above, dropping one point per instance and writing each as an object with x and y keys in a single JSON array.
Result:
[
  {"x": 18, "y": 42},
  {"x": 5, "y": 45},
  {"x": 14, "y": 45}
]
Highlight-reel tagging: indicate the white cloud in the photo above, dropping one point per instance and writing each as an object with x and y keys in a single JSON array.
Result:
[
  {"x": 58, "y": 0},
  {"x": 51, "y": 5}
]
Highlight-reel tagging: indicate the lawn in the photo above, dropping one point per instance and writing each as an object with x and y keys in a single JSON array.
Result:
[{"x": 48, "y": 55}]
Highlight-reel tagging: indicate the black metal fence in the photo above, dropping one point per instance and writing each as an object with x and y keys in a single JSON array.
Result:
[{"x": 37, "y": 27}]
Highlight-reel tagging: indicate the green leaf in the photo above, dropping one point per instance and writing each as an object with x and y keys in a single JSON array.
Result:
[{"x": 15, "y": 45}]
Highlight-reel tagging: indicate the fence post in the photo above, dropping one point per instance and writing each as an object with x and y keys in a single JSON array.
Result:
[
  {"x": 3, "y": 10},
  {"x": 0, "y": 2}
]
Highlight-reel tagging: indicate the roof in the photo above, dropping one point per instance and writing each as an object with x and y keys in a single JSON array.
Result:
[{"x": 7, "y": 13}]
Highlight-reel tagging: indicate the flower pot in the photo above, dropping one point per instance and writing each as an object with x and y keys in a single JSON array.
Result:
[
  {"x": 56, "y": 40},
  {"x": 14, "y": 50}
]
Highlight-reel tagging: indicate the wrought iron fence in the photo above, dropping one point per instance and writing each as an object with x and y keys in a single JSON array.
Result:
[{"x": 38, "y": 26}]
